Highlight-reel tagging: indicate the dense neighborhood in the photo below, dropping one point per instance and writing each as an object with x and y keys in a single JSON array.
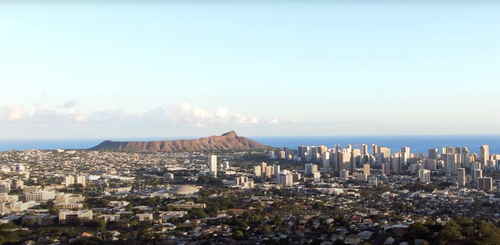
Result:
[{"x": 277, "y": 196}]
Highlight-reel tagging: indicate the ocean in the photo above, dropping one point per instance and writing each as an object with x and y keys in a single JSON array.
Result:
[{"x": 417, "y": 143}]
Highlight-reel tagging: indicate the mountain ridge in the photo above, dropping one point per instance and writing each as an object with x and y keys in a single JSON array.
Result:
[{"x": 226, "y": 141}]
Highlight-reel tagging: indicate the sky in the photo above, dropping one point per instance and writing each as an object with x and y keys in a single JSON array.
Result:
[{"x": 118, "y": 69}]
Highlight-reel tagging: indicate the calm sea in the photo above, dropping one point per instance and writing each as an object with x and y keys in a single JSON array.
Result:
[{"x": 416, "y": 143}]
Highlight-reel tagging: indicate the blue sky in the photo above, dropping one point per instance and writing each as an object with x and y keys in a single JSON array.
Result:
[{"x": 153, "y": 69}]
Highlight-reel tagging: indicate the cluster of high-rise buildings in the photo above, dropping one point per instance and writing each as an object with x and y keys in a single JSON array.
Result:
[
  {"x": 360, "y": 162},
  {"x": 458, "y": 161},
  {"x": 282, "y": 177}
]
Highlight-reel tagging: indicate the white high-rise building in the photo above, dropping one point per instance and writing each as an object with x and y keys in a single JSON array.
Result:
[
  {"x": 366, "y": 169},
  {"x": 5, "y": 187},
  {"x": 240, "y": 181},
  {"x": 414, "y": 168},
  {"x": 373, "y": 181},
  {"x": 282, "y": 155},
  {"x": 362, "y": 177},
  {"x": 424, "y": 175},
  {"x": 383, "y": 154},
  {"x": 485, "y": 183},
  {"x": 343, "y": 160},
  {"x": 355, "y": 153},
  {"x": 465, "y": 157},
  {"x": 386, "y": 169},
  {"x": 475, "y": 165},
  {"x": 476, "y": 174},
  {"x": 311, "y": 168},
  {"x": 69, "y": 180},
  {"x": 364, "y": 149},
  {"x": 271, "y": 155},
  {"x": 492, "y": 164},
  {"x": 257, "y": 171},
  {"x": 396, "y": 163},
  {"x": 405, "y": 155},
  {"x": 374, "y": 149},
  {"x": 18, "y": 184},
  {"x": 433, "y": 153},
  {"x": 344, "y": 173},
  {"x": 461, "y": 178},
  {"x": 81, "y": 179},
  {"x": 450, "y": 163},
  {"x": 484, "y": 155},
  {"x": 326, "y": 161},
  {"x": 317, "y": 176},
  {"x": 212, "y": 165},
  {"x": 277, "y": 169},
  {"x": 285, "y": 178},
  {"x": 269, "y": 171},
  {"x": 430, "y": 164}
]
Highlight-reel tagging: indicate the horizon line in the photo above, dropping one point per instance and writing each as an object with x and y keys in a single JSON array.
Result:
[{"x": 261, "y": 136}]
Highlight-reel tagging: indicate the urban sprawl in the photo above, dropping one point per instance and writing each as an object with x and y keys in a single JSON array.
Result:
[{"x": 359, "y": 194}]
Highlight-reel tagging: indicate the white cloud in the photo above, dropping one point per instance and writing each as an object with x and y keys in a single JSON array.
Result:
[
  {"x": 39, "y": 114},
  {"x": 274, "y": 121},
  {"x": 180, "y": 113},
  {"x": 221, "y": 113},
  {"x": 69, "y": 104},
  {"x": 78, "y": 115},
  {"x": 13, "y": 112},
  {"x": 243, "y": 120},
  {"x": 111, "y": 115},
  {"x": 156, "y": 115}
]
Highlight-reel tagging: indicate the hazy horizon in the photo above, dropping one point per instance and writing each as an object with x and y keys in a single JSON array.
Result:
[{"x": 256, "y": 136}]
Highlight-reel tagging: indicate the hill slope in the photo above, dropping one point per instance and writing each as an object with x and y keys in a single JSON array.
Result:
[{"x": 226, "y": 141}]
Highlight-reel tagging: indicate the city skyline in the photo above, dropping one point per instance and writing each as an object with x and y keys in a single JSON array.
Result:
[{"x": 94, "y": 70}]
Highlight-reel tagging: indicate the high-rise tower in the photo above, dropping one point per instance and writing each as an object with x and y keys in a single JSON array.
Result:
[
  {"x": 484, "y": 155},
  {"x": 212, "y": 164}
]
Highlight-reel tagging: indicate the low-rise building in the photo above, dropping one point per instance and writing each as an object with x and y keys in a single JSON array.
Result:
[
  {"x": 40, "y": 219},
  {"x": 39, "y": 196},
  {"x": 187, "y": 205},
  {"x": 69, "y": 205},
  {"x": 144, "y": 217},
  {"x": 68, "y": 215}
]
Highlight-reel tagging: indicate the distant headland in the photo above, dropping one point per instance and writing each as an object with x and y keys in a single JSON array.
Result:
[{"x": 227, "y": 141}]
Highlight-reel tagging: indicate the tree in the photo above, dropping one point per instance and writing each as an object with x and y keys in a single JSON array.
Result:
[
  {"x": 31, "y": 222},
  {"x": 418, "y": 231},
  {"x": 10, "y": 236},
  {"x": 146, "y": 233},
  {"x": 450, "y": 232},
  {"x": 256, "y": 219},
  {"x": 468, "y": 230},
  {"x": 87, "y": 241},
  {"x": 265, "y": 229},
  {"x": 318, "y": 205},
  {"x": 338, "y": 242},
  {"x": 246, "y": 214},
  {"x": 238, "y": 235}
]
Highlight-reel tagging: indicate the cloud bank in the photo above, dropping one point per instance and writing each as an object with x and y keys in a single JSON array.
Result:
[{"x": 179, "y": 113}]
